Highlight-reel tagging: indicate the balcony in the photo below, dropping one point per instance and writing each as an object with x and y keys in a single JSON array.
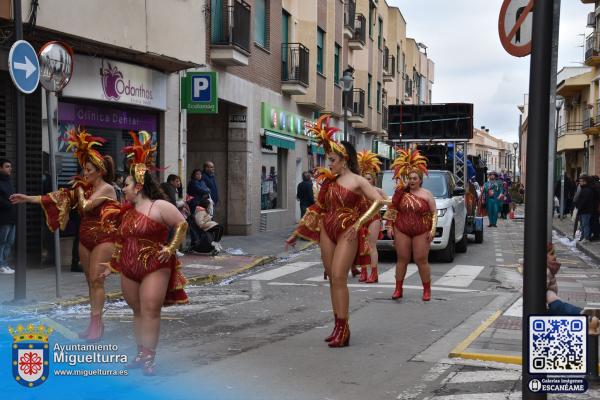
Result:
[
  {"x": 230, "y": 33},
  {"x": 357, "y": 106},
  {"x": 590, "y": 124},
  {"x": 349, "y": 17},
  {"x": 389, "y": 67},
  {"x": 592, "y": 49},
  {"x": 570, "y": 137},
  {"x": 357, "y": 42},
  {"x": 294, "y": 68}
]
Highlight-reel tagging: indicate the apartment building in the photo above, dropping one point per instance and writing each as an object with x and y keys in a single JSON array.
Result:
[
  {"x": 280, "y": 64},
  {"x": 125, "y": 78},
  {"x": 498, "y": 155}
]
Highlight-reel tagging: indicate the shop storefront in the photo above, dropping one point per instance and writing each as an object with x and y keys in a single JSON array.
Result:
[
  {"x": 109, "y": 99},
  {"x": 385, "y": 153}
]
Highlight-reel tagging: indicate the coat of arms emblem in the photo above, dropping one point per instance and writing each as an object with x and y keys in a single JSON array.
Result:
[{"x": 30, "y": 354}]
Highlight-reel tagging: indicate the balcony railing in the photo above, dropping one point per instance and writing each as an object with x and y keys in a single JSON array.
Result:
[
  {"x": 592, "y": 45},
  {"x": 360, "y": 29},
  {"x": 358, "y": 102},
  {"x": 591, "y": 20},
  {"x": 588, "y": 120},
  {"x": 349, "y": 14},
  {"x": 230, "y": 25},
  {"x": 389, "y": 65},
  {"x": 570, "y": 128},
  {"x": 597, "y": 111},
  {"x": 384, "y": 118},
  {"x": 294, "y": 63}
]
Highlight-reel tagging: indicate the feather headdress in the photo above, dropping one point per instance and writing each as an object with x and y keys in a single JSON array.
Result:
[
  {"x": 408, "y": 161},
  {"x": 140, "y": 155},
  {"x": 82, "y": 144},
  {"x": 324, "y": 135},
  {"x": 368, "y": 162}
]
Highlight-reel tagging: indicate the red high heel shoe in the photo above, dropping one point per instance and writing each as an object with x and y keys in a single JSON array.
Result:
[
  {"x": 342, "y": 338},
  {"x": 149, "y": 364},
  {"x": 97, "y": 328},
  {"x": 426, "y": 291},
  {"x": 86, "y": 333},
  {"x": 138, "y": 360},
  {"x": 334, "y": 331},
  {"x": 374, "y": 278},
  {"x": 355, "y": 271},
  {"x": 398, "y": 292},
  {"x": 363, "y": 274}
]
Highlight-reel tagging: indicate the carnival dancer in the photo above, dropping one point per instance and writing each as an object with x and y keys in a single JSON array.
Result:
[
  {"x": 414, "y": 216},
  {"x": 493, "y": 193},
  {"x": 334, "y": 221},
  {"x": 150, "y": 270},
  {"x": 370, "y": 165},
  {"x": 91, "y": 195}
]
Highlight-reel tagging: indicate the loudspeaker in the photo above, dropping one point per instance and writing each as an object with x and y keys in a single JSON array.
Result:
[{"x": 431, "y": 121}]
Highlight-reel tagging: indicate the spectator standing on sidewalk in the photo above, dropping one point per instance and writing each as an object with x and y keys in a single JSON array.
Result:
[
  {"x": 304, "y": 193},
  {"x": 208, "y": 176},
  {"x": 8, "y": 216},
  {"x": 586, "y": 203},
  {"x": 595, "y": 223}
]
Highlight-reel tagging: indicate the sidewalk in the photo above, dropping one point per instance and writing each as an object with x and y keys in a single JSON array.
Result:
[
  {"x": 498, "y": 337},
  {"x": 241, "y": 253}
]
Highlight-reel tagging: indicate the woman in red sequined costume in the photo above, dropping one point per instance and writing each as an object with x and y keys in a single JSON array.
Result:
[
  {"x": 369, "y": 167},
  {"x": 91, "y": 195},
  {"x": 414, "y": 217},
  {"x": 334, "y": 221},
  {"x": 150, "y": 270}
]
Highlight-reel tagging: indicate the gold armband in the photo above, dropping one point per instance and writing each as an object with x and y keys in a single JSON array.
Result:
[
  {"x": 434, "y": 218},
  {"x": 370, "y": 213},
  {"x": 84, "y": 204},
  {"x": 178, "y": 237}
]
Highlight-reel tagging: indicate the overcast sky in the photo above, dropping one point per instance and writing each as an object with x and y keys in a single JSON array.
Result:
[{"x": 471, "y": 65}]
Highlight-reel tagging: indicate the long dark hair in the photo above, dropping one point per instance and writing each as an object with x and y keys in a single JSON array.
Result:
[
  {"x": 109, "y": 166},
  {"x": 352, "y": 158},
  {"x": 151, "y": 188}
]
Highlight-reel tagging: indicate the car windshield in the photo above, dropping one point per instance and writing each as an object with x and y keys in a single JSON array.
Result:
[{"x": 435, "y": 183}]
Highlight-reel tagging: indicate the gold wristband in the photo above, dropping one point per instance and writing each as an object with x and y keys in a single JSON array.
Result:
[
  {"x": 370, "y": 213},
  {"x": 81, "y": 200},
  {"x": 178, "y": 237},
  {"x": 434, "y": 218}
]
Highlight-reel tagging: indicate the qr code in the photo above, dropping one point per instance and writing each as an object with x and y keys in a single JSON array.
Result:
[{"x": 557, "y": 345}]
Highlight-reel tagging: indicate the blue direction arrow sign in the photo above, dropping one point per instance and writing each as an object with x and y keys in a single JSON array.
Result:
[{"x": 24, "y": 66}]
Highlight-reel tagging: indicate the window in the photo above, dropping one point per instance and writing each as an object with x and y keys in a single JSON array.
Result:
[
  {"x": 378, "y": 98},
  {"x": 320, "y": 43},
  {"x": 261, "y": 25},
  {"x": 380, "y": 33},
  {"x": 369, "y": 91},
  {"x": 398, "y": 61},
  {"x": 336, "y": 64},
  {"x": 371, "y": 21}
]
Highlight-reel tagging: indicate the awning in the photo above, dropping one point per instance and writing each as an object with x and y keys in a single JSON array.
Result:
[
  {"x": 316, "y": 149},
  {"x": 275, "y": 139}
]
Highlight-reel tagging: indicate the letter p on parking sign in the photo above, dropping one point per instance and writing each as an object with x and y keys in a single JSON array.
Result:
[{"x": 199, "y": 93}]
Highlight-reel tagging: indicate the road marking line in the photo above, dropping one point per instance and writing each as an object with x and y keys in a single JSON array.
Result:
[
  {"x": 480, "y": 396},
  {"x": 63, "y": 330},
  {"x": 203, "y": 266},
  {"x": 462, "y": 346},
  {"x": 516, "y": 310},
  {"x": 460, "y": 276},
  {"x": 389, "y": 276},
  {"x": 281, "y": 271},
  {"x": 485, "y": 376},
  {"x": 379, "y": 285},
  {"x": 292, "y": 284}
]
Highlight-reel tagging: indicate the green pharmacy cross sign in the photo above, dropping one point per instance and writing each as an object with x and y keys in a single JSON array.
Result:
[{"x": 199, "y": 93}]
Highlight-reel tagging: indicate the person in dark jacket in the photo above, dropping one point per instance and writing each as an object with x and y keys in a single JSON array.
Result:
[
  {"x": 170, "y": 188},
  {"x": 197, "y": 189},
  {"x": 586, "y": 203},
  {"x": 304, "y": 193},
  {"x": 208, "y": 176},
  {"x": 8, "y": 216}
]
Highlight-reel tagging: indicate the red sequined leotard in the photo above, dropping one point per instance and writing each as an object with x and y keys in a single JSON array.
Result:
[
  {"x": 92, "y": 231},
  {"x": 411, "y": 214},
  {"x": 139, "y": 240},
  {"x": 338, "y": 208}
]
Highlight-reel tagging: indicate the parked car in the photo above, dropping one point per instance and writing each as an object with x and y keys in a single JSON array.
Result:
[{"x": 450, "y": 235}]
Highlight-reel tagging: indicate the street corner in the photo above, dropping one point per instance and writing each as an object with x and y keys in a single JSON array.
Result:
[{"x": 208, "y": 269}]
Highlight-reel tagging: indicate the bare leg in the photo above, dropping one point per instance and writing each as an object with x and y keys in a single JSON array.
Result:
[
  {"x": 327, "y": 249},
  {"x": 374, "y": 230},
  {"x": 102, "y": 253},
  {"x": 420, "y": 249},
  {"x": 153, "y": 290},
  {"x": 131, "y": 293},
  {"x": 84, "y": 260},
  {"x": 345, "y": 253},
  {"x": 402, "y": 243}
]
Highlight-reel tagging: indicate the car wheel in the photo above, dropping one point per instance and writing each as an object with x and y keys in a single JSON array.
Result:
[
  {"x": 447, "y": 255},
  {"x": 461, "y": 247},
  {"x": 479, "y": 236}
]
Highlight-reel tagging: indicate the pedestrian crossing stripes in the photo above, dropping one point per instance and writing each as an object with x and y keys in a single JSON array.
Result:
[{"x": 458, "y": 277}]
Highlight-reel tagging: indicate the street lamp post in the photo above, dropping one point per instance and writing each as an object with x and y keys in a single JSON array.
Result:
[
  {"x": 515, "y": 147},
  {"x": 348, "y": 86}
]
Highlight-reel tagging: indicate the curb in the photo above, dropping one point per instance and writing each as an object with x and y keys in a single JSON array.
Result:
[
  {"x": 588, "y": 252},
  {"x": 115, "y": 295}
]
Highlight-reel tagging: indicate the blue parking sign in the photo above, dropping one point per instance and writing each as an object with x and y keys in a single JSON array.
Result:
[
  {"x": 199, "y": 93},
  {"x": 24, "y": 66}
]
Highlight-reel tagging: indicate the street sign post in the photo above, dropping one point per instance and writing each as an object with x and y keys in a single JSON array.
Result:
[
  {"x": 515, "y": 26},
  {"x": 24, "y": 67},
  {"x": 56, "y": 66}
]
